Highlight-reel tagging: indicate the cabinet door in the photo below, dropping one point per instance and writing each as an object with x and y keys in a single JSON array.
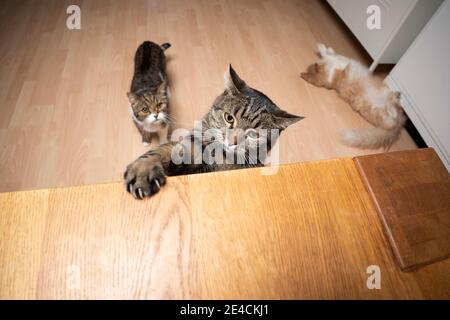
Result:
[
  {"x": 354, "y": 14},
  {"x": 423, "y": 76}
]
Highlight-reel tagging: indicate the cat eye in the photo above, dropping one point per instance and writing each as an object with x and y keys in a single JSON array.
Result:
[
  {"x": 145, "y": 109},
  {"x": 228, "y": 118},
  {"x": 253, "y": 134}
]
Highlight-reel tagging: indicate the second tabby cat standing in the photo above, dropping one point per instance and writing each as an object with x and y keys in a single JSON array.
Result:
[{"x": 149, "y": 92}]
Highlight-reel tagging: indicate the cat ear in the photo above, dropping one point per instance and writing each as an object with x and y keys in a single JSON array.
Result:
[
  {"x": 132, "y": 97},
  {"x": 316, "y": 67},
  {"x": 283, "y": 119},
  {"x": 162, "y": 88},
  {"x": 233, "y": 83},
  {"x": 306, "y": 76}
]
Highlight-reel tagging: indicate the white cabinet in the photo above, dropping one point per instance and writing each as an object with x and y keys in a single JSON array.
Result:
[
  {"x": 401, "y": 22},
  {"x": 423, "y": 77}
]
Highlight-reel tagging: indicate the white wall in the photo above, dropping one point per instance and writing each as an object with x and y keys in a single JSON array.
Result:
[{"x": 423, "y": 77}]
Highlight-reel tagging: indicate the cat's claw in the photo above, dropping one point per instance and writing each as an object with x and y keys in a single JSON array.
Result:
[{"x": 144, "y": 179}]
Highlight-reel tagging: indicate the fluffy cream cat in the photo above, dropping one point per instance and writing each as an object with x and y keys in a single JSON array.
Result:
[{"x": 366, "y": 94}]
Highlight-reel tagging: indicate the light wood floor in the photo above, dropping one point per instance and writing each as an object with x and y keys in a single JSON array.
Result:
[{"x": 63, "y": 109}]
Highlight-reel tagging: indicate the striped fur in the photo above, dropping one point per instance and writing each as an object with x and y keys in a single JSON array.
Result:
[
  {"x": 238, "y": 139},
  {"x": 148, "y": 95}
]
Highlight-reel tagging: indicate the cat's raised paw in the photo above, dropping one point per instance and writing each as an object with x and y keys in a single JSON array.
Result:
[{"x": 144, "y": 179}]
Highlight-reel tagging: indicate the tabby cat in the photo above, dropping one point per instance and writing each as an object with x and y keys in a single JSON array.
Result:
[
  {"x": 148, "y": 95},
  {"x": 239, "y": 109}
]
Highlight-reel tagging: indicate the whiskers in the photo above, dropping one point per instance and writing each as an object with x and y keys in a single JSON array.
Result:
[
  {"x": 247, "y": 157},
  {"x": 211, "y": 141}
]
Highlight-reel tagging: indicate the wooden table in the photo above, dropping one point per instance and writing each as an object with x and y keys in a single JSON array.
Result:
[{"x": 310, "y": 231}]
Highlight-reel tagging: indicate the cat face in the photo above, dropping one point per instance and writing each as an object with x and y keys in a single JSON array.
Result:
[
  {"x": 242, "y": 117},
  {"x": 149, "y": 108},
  {"x": 316, "y": 74}
]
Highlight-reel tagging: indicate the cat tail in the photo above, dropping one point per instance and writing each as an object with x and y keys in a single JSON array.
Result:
[
  {"x": 324, "y": 50},
  {"x": 142, "y": 57},
  {"x": 370, "y": 138},
  {"x": 165, "y": 46}
]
